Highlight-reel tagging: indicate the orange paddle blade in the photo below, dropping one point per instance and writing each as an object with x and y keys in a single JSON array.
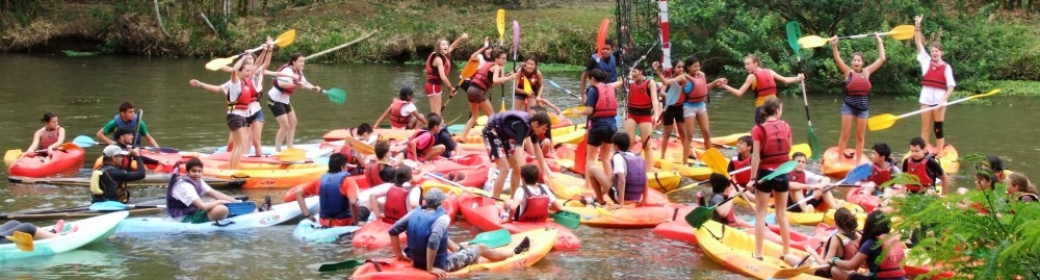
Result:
[{"x": 601, "y": 39}]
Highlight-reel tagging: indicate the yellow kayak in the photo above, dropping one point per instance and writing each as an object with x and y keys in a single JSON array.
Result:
[
  {"x": 571, "y": 134},
  {"x": 285, "y": 176},
  {"x": 733, "y": 249},
  {"x": 821, "y": 215},
  {"x": 662, "y": 181}
]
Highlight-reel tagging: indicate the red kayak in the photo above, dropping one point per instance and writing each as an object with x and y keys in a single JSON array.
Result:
[
  {"x": 68, "y": 160},
  {"x": 867, "y": 201},
  {"x": 375, "y": 234},
  {"x": 484, "y": 213},
  {"x": 161, "y": 158}
]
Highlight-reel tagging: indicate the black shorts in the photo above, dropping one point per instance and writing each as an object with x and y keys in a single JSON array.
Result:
[
  {"x": 601, "y": 134},
  {"x": 811, "y": 203},
  {"x": 279, "y": 108},
  {"x": 496, "y": 146},
  {"x": 235, "y": 122},
  {"x": 779, "y": 184},
  {"x": 673, "y": 115}
]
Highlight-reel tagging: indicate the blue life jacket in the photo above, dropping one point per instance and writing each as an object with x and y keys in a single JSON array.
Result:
[
  {"x": 174, "y": 206},
  {"x": 608, "y": 65},
  {"x": 333, "y": 203},
  {"x": 420, "y": 227},
  {"x": 132, "y": 126}
]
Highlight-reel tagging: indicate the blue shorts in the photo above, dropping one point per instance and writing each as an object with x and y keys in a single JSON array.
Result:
[
  {"x": 256, "y": 117},
  {"x": 848, "y": 110}
]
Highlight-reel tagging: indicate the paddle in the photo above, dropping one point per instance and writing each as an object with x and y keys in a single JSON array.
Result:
[
  {"x": 461, "y": 188},
  {"x": 336, "y": 95},
  {"x": 884, "y": 121},
  {"x": 701, "y": 215},
  {"x": 500, "y": 21},
  {"x": 527, "y": 88},
  {"x": 857, "y": 174},
  {"x": 492, "y": 239},
  {"x": 110, "y": 206},
  {"x": 786, "y": 273},
  {"x": 362, "y": 38},
  {"x": 516, "y": 47},
  {"x": 794, "y": 30},
  {"x": 283, "y": 40},
  {"x": 554, "y": 84},
  {"x": 695, "y": 184},
  {"x": 902, "y": 32},
  {"x": 467, "y": 72},
  {"x": 24, "y": 241},
  {"x": 84, "y": 141},
  {"x": 359, "y": 146},
  {"x": 715, "y": 160},
  {"x": 573, "y": 111}
]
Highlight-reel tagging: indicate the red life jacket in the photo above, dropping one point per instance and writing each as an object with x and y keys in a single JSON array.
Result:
[
  {"x": 729, "y": 220},
  {"x": 798, "y": 176},
  {"x": 857, "y": 84},
  {"x": 700, "y": 90},
  {"x": 851, "y": 246},
  {"x": 296, "y": 81},
  {"x": 247, "y": 96},
  {"x": 765, "y": 85},
  {"x": 396, "y": 205},
  {"x": 534, "y": 79},
  {"x": 48, "y": 138},
  {"x": 482, "y": 79},
  {"x": 420, "y": 149},
  {"x": 537, "y": 207},
  {"x": 892, "y": 265},
  {"x": 919, "y": 169},
  {"x": 432, "y": 75},
  {"x": 880, "y": 176},
  {"x": 396, "y": 120},
  {"x": 606, "y": 103},
  {"x": 744, "y": 177},
  {"x": 776, "y": 146},
  {"x": 372, "y": 169},
  {"x": 935, "y": 77},
  {"x": 640, "y": 101}
]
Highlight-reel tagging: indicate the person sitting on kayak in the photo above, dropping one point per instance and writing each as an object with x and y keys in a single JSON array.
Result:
[
  {"x": 12, "y": 226},
  {"x": 125, "y": 139},
  {"x": 802, "y": 180},
  {"x": 723, "y": 212},
  {"x": 338, "y": 196},
  {"x": 922, "y": 164},
  {"x": 884, "y": 170},
  {"x": 401, "y": 198},
  {"x": 184, "y": 198},
  {"x": 601, "y": 108},
  {"x": 355, "y": 160},
  {"x": 423, "y": 146},
  {"x": 762, "y": 81},
  {"x": 876, "y": 241},
  {"x": 1021, "y": 189},
  {"x": 505, "y": 131},
  {"x": 402, "y": 112},
  {"x": 629, "y": 175},
  {"x": 843, "y": 244},
  {"x": 126, "y": 119},
  {"x": 108, "y": 183},
  {"x": 427, "y": 229},
  {"x": 380, "y": 168},
  {"x": 533, "y": 201},
  {"x": 740, "y": 161},
  {"x": 48, "y": 138}
]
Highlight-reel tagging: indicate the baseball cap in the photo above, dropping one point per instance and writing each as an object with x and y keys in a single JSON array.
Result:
[
  {"x": 433, "y": 198},
  {"x": 114, "y": 150}
]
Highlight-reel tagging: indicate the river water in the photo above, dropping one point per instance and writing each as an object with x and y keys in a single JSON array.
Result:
[{"x": 86, "y": 92}]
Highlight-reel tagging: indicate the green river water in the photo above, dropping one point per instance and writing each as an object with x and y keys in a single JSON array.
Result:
[{"x": 86, "y": 92}]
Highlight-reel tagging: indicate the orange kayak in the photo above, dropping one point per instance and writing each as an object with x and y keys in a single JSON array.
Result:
[{"x": 835, "y": 164}]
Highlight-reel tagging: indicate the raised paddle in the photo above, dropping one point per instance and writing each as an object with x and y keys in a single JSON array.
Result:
[
  {"x": 794, "y": 30},
  {"x": 857, "y": 174},
  {"x": 461, "y": 188},
  {"x": 283, "y": 40},
  {"x": 702, "y": 214},
  {"x": 471, "y": 68},
  {"x": 581, "y": 152},
  {"x": 554, "y": 84},
  {"x": 24, "y": 241},
  {"x": 902, "y": 32},
  {"x": 884, "y": 121},
  {"x": 491, "y": 239},
  {"x": 715, "y": 160},
  {"x": 500, "y": 21},
  {"x": 359, "y": 146}
]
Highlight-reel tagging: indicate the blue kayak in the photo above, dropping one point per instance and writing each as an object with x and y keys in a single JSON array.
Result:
[{"x": 311, "y": 232}]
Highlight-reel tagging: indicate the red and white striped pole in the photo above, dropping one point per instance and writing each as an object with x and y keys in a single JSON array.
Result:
[{"x": 666, "y": 45}]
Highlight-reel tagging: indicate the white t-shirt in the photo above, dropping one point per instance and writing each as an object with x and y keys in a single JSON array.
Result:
[
  {"x": 185, "y": 192},
  {"x": 930, "y": 95},
  {"x": 812, "y": 178},
  {"x": 276, "y": 95},
  {"x": 232, "y": 90},
  {"x": 620, "y": 165},
  {"x": 521, "y": 195}
]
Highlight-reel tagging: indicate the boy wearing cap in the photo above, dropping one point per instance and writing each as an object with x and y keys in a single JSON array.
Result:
[
  {"x": 125, "y": 139},
  {"x": 428, "y": 228},
  {"x": 111, "y": 178}
]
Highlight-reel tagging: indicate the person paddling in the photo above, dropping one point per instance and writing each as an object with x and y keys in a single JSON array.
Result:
[
  {"x": 533, "y": 202},
  {"x": 108, "y": 183},
  {"x": 184, "y": 198},
  {"x": 337, "y": 194},
  {"x": 239, "y": 92},
  {"x": 487, "y": 75},
  {"x": 626, "y": 181},
  {"x": 762, "y": 81},
  {"x": 880, "y": 251},
  {"x": 937, "y": 85},
  {"x": 50, "y": 137},
  {"x": 771, "y": 145},
  {"x": 857, "y": 94},
  {"x": 503, "y": 133},
  {"x": 530, "y": 74},
  {"x": 428, "y": 243},
  {"x": 438, "y": 65},
  {"x": 125, "y": 139},
  {"x": 129, "y": 120},
  {"x": 278, "y": 99},
  {"x": 922, "y": 164},
  {"x": 643, "y": 106},
  {"x": 422, "y": 145},
  {"x": 402, "y": 112}
]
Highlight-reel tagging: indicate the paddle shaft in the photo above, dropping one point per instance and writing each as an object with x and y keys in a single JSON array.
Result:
[
  {"x": 554, "y": 84},
  {"x": 457, "y": 185},
  {"x": 807, "y": 199},
  {"x": 807, "y": 255},
  {"x": 363, "y": 37},
  {"x": 936, "y": 107}
]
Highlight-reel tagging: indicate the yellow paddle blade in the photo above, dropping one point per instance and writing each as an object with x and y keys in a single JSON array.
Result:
[
  {"x": 990, "y": 93},
  {"x": 482, "y": 120},
  {"x": 359, "y": 146},
  {"x": 500, "y": 20},
  {"x": 502, "y": 108},
  {"x": 902, "y": 32},
  {"x": 573, "y": 111},
  {"x": 554, "y": 119},
  {"x": 215, "y": 64},
  {"x": 880, "y": 122},
  {"x": 24, "y": 241},
  {"x": 803, "y": 148},
  {"x": 812, "y": 41},
  {"x": 11, "y": 156},
  {"x": 716, "y": 161},
  {"x": 286, "y": 38},
  {"x": 527, "y": 87},
  {"x": 470, "y": 69}
]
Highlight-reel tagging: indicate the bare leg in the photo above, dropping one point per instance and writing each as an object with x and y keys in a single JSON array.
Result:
[
  {"x": 797, "y": 196},
  {"x": 684, "y": 139},
  {"x": 861, "y": 137},
  {"x": 433, "y": 152},
  {"x": 702, "y": 120},
  {"x": 283, "y": 129},
  {"x": 495, "y": 254},
  {"x": 645, "y": 130},
  {"x": 828, "y": 198},
  {"x": 291, "y": 133},
  {"x": 761, "y": 200},
  {"x": 846, "y": 128},
  {"x": 926, "y": 124},
  {"x": 514, "y": 164},
  {"x": 257, "y": 127},
  {"x": 487, "y": 108},
  {"x": 604, "y": 154},
  {"x": 687, "y": 148},
  {"x": 217, "y": 213},
  {"x": 237, "y": 136},
  {"x": 43, "y": 234},
  {"x": 474, "y": 112},
  {"x": 500, "y": 181},
  {"x": 435, "y": 103},
  {"x": 664, "y": 140},
  {"x": 781, "y": 218},
  {"x": 591, "y": 153},
  {"x": 600, "y": 183},
  {"x": 630, "y": 129}
]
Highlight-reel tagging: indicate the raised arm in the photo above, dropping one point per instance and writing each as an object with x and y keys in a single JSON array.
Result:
[
  {"x": 476, "y": 55},
  {"x": 844, "y": 68},
  {"x": 458, "y": 41},
  {"x": 788, "y": 80},
  {"x": 881, "y": 55},
  {"x": 918, "y": 36},
  {"x": 212, "y": 88}
]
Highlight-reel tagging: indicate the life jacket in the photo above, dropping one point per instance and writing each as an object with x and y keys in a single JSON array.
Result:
[
  {"x": 730, "y": 219},
  {"x": 606, "y": 102},
  {"x": 892, "y": 265},
  {"x": 935, "y": 77},
  {"x": 374, "y": 175},
  {"x": 132, "y": 126},
  {"x": 99, "y": 190},
  {"x": 420, "y": 227},
  {"x": 48, "y": 138},
  {"x": 925, "y": 178},
  {"x": 334, "y": 204},
  {"x": 699, "y": 92},
  {"x": 777, "y": 145},
  {"x": 396, "y": 120},
  {"x": 857, "y": 84},
  {"x": 396, "y": 205},
  {"x": 537, "y": 207},
  {"x": 765, "y": 85},
  {"x": 296, "y": 81},
  {"x": 797, "y": 177},
  {"x": 420, "y": 150},
  {"x": 247, "y": 96},
  {"x": 432, "y": 75},
  {"x": 640, "y": 100},
  {"x": 534, "y": 79},
  {"x": 635, "y": 175},
  {"x": 744, "y": 177},
  {"x": 498, "y": 122},
  {"x": 174, "y": 207},
  {"x": 881, "y": 175},
  {"x": 850, "y": 246},
  {"x": 608, "y": 65},
  {"x": 482, "y": 79}
]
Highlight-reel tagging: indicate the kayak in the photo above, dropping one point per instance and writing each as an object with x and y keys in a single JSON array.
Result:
[
  {"x": 569, "y": 187},
  {"x": 484, "y": 213},
  {"x": 313, "y": 150},
  {"x": 824, "y": 231},
  {"x": 148, "y": 181},
  {"x": 682, "y": 231},
  {"x": 158, "y": 156},
  {"x": 947, "y": 158},
  {"x": 66, "y": 161},
  {"x": 630, "y": 215},
  {"x": 270, "y": 176},
  {"x": 658, "y": 180},
  {"x": 733, "y": 250},
  {"x": 88, "y": 231},
  {"x": 541, "y": 242},
  {"x": 312, "y": 232},
  {"x": 388, "y": 134},
  {"x": 571, "y": 134},
  {"x": 835, "y": 164},
  {"x": 821, "y": 215},
  {"x": 868, "y": 201},
  {"x": 374, "y": 234},
  {"x": 278, "y": 214}
]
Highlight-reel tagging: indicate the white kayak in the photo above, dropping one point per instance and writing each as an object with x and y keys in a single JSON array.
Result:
[
  {"x": 313, "y": 150},
  {"x": 89, "y": 230},
  {"x": 311, "y": 232},
  {"x": 278, "y": 214}
]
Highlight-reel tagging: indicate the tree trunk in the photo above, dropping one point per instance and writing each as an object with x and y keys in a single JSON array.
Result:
[{"x": 158, "y": 18}]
